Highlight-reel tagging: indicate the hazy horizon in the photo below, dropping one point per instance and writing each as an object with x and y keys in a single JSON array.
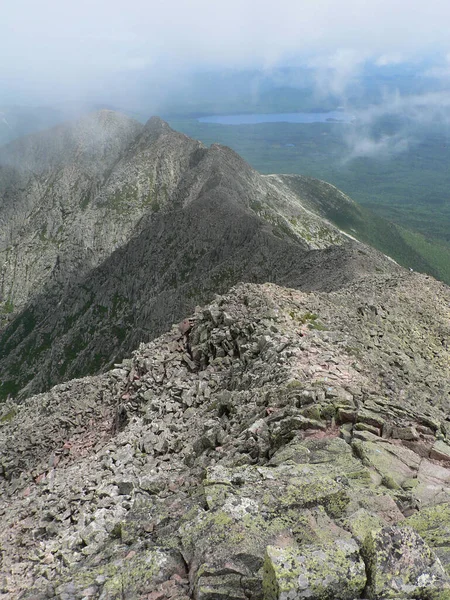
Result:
[{"x": 104, "y": 51}]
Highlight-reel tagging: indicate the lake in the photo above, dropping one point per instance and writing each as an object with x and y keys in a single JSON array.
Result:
[{"x": 254, "y": 119}]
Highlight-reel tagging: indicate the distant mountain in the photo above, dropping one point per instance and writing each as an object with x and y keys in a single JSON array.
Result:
[{"x": 111, "y": 230}]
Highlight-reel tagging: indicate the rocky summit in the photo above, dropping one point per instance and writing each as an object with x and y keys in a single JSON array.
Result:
[{"x": 276, "y": 444}]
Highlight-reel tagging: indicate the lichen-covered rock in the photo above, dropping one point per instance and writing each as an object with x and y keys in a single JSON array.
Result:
[
  {"x": 133, "y": 576},
  {"x": 286, "y": 487},
  {"x": 220, "y": 439},
  {"x": 394, "y": 464},
  {"x": 250, "y": 508},
  {"x": 294, "y": 452},
  {"x": 401, "y": 565},
  {"x": 362, "y": 522},
  {"x": 432, "y": 523},
  {"x": 334, "y": 572}
]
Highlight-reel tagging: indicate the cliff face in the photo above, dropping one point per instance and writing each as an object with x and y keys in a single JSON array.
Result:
[
  {"x": 275, "y": 444},
  {"x": 73, "y": 194},
  {"x": 113, "y": 230}
]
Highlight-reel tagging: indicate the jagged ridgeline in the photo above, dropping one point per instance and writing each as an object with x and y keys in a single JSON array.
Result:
[
  {"x": 274, "y": 445},
  {"x": 112, "y": 230}
]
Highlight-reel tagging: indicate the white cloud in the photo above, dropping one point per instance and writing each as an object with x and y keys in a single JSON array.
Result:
[
  {"x": 365, "y": 146},
  {"x": 335, "y": 71},
  {"x": 386, "y": 60},
  {"x": 413, "y": 114},
  {"x": 58, "y": 43}
]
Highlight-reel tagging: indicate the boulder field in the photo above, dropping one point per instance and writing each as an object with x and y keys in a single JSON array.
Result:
[{"x": 276, "y": 445}]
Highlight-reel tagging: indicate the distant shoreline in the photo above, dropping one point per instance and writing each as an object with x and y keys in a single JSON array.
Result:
[{"x": 334, "y": 116}]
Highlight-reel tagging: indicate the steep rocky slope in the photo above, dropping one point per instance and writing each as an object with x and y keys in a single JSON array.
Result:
[
  {"x": 112, "y": 230},
  {"x": 72, "y": 194},
  {"x": 276, "y": 444},
  {"x": 326, "y": 201}
]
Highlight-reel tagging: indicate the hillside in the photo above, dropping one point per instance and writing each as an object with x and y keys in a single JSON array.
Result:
[
  {"x": 113, "y": 230},
  {"x": 275, "y": 444},
  {"x": 330, "y": 203}
]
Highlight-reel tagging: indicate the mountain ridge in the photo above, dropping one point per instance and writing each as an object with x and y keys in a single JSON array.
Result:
[
  {"x": 162, "y": 208},
  {"x": 287, "y": 434}
]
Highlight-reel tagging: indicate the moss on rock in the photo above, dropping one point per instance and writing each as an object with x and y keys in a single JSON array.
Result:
[
  {"x": 362, "y": 522},
  {"x": 432, "y": 523}
]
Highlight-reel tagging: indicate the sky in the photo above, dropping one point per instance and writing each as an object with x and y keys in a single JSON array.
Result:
[{"x": 75, "y": 49}]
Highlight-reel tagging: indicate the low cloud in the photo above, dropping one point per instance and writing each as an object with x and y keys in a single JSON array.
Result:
[
  {"x": 76, "y": 50},
  {"x": 334, "y": 72},
  {"x": 408, "y": 117},
  {"x": 365, "y": 146}
]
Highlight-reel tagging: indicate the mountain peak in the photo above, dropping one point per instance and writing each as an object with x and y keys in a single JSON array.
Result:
[
  {"x": 157, "y": 125},
  {"x": 106, "y": 114},
  {"x": 104, "y": 133}
]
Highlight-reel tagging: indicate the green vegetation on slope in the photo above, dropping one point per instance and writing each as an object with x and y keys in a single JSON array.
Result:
[
  {"x": 360, "y": 222},
  {"x": 434, "y": 252},
  {"x": 411, "y": 188}
]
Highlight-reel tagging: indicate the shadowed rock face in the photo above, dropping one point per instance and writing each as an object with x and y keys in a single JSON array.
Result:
[
  {"x": 114, "y": 230},
  {"x": 275, "y": 444}
]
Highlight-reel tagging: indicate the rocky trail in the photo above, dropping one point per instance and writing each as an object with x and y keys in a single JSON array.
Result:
[{"x": 277, "y": 444}]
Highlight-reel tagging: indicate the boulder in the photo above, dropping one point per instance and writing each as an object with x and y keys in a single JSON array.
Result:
[
  {"x": 333, "y": 572},
  {"x": 401, "y": 565},
  {"x": 433, "y": 524},
  {"x": 440, "y": 451}
]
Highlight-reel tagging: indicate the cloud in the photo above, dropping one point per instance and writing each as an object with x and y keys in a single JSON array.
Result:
[
  {"x": 78, "y": 48},
  {"x": 335, "y": 71},
  {"x": 390, "y": 59},
  {"x": 366, "y": 146},
  {"x": 396, "y": 124},
  {"x": 441, "y": 70}
]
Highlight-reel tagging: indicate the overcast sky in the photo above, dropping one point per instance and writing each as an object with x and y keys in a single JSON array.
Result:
[{"x": 75, "y": 45}]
